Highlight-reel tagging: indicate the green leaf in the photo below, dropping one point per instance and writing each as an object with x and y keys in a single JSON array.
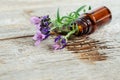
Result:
[
  {"x": 58, "y": 15},
  {"x": 84, "y": 10},
  {"x": 67, "y": 20},
  {"x": 89, "y": 8},
  {"x": 72, "y": 13},
  {"x": 79, "y": 9},
  {"x": 65, "y": 17}
]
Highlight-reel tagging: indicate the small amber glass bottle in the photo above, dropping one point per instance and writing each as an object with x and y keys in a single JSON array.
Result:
[{"x": 89, "y": 22}]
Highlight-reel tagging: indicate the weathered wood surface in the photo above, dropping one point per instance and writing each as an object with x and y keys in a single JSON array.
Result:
[{"x": 21, "y": 60}]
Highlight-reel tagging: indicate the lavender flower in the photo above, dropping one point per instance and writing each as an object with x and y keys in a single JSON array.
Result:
[
  {"x": 56, "y": 46},
  {"x": 45, "y": 21},
  {"x": 35, "y": 20},
  {"x": 39, "y": 22},
  {"x": 38, "y": 37},
  {"x": 43, "y": 28},
  {"x": 60, "y": 43}
]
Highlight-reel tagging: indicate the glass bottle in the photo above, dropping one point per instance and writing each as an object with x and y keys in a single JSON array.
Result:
[{"x": 89, "y": 22}]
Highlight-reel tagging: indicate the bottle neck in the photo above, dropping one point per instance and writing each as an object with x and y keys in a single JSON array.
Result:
[{"x": 85, "y": 25}]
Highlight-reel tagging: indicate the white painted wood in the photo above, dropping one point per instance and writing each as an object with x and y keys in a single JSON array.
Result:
[{"x": 21, "y": 60}]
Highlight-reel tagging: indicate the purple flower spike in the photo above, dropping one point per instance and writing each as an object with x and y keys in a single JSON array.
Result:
[
  {"x": 38, "y": 37},
  {"x": 60, "y": 43},
  {"x": 43, "y": 28},
  {"x": 35, "y": 20}
]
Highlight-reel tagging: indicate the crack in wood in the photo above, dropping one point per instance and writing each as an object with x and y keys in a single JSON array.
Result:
[{"x": 17, "y": 37}]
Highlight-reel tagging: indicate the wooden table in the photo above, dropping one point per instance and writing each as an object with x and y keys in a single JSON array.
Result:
[{"x": 21, "y": 60}]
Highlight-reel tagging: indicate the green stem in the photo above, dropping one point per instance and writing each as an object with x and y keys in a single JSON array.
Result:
[
  {"x": 52, "y": 28},
  {"x": 69, "y": 34}
]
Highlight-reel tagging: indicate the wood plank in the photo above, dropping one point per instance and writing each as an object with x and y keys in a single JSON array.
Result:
[{"x": 21, "y": 60}]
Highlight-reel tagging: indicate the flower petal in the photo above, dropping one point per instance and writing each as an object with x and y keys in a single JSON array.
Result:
[
  {"x": 63, "y": 46},
  {"x": 38, "y": 26},
  {"x": 46, "y": 36},
  {"x": 35, "y": 37},
  {"x": 38, "y": 32},
  {"x": 57, "y": 38},
  {"x": 43, "y": 36},
  {"x": 56, "y": 46},
  {"x": 35, "y": 20},
  {"x": 45, "y": 30},
  {"x": 37, "y": 42}
]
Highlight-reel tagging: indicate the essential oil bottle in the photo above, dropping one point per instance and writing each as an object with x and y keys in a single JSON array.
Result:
[{"x": 89, "y": 22}]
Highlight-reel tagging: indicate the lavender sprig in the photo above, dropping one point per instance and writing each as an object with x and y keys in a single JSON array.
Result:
[
  {"x": 44, "y": 26},
  {"x": 66, "y": 21},
  {"x": 59, "y": 43}
]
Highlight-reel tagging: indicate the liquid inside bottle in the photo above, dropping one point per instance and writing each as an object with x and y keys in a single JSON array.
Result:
[{"x": 89, "y": 22}]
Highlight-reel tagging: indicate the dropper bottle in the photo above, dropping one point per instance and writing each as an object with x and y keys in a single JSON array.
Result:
[{"x": 90, "y": 22}]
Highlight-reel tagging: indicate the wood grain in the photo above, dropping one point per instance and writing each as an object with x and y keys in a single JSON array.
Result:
[{"x": 21, "y": 60}]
